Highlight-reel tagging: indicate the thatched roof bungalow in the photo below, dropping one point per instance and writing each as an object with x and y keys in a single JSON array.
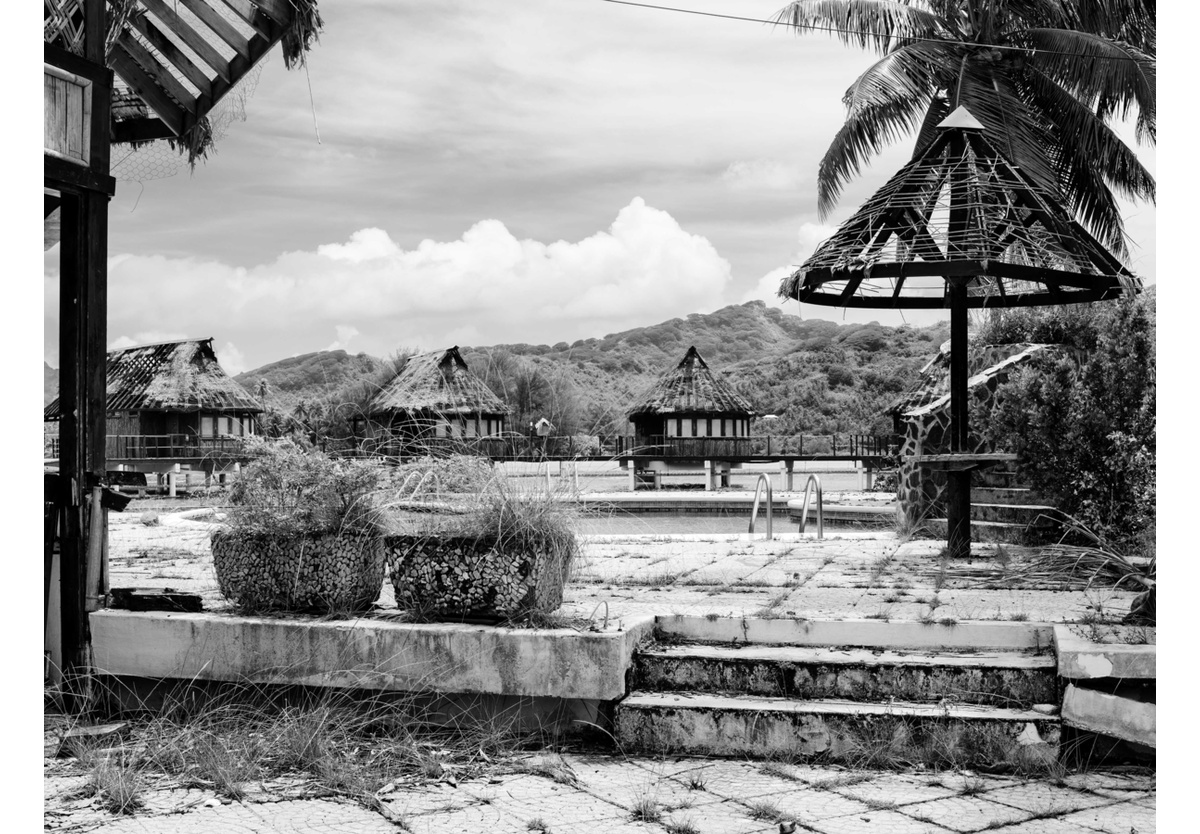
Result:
[
  {"x": 690, "y": 400},
  {"x": 435, "y": 395},
  {"x": 172, "y": 388}
]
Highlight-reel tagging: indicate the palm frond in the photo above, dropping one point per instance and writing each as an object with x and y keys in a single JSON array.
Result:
[
  {"x": 1095, "y": 70},
  {"x": 879, "y": 24},
  {"x": 864, "y": 134}
]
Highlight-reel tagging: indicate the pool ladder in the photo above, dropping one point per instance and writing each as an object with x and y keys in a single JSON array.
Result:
[
  {"x": 813, "y": 479},
  {"x": 762, "y": 480}
]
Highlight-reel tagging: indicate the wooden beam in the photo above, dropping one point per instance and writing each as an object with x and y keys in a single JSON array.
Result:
[
  {"x": 172, "y": 53},
  {"x": 255, "y": 17},
  {"x": 140, "y": 130},
  {"x": 193, "y": 39},
  {"x": 223, "y": 29},
  {"x": 146, "y": 88},
  {"x": 280, "y": 10},
  {"x": 159, "y": 72},
  {"x": 60, "y": 174}
]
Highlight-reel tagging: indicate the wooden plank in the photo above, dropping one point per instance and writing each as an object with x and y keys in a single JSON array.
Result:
[
  {"x": 74, "y": 122},
  {"x": 147, "y": 89},
  {"x": 157, "y": 70},
  {"x": 280, "y": 10},
  {"x": 178, "y": 58},
  {"x": 194, "y": 40},
  {"x": 223, "y": 29},
  {"x": 60, "y": 174},
  {"x": 255, "y": 17}
]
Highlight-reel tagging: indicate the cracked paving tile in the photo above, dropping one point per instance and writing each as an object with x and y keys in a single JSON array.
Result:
[
  {"x": 293, "y": 817},
  {"x": 1119, "y": 818},
  {"x": 876, "y": 822},
  {"x": 894, "y": 790},
  {"x": 1043, "y": 798},
  {"x": 965, "y": 813}
]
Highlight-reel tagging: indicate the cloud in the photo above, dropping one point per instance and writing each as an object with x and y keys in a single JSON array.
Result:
[
  {"x": 486, "y": 287},
  {"x": 810, "y": 236},
  {"x": 762, "y": 175},
  {"x": 345, "y": 333},
  {"x": 233, "y": 362}
]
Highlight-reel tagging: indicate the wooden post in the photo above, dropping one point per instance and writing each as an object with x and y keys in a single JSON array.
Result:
[{"x": 958, "y": 487}]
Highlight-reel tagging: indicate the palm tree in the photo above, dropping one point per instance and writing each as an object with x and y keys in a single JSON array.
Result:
[{"x": 1044, "y": 77}]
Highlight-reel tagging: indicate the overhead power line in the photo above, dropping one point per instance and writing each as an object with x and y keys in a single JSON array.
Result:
[{"x": 837, "y": 31}]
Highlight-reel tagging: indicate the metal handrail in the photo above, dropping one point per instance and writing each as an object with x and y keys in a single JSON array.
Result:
[
  {"x": 820, "y": 507},
  {"x": 762, "y": 479}
]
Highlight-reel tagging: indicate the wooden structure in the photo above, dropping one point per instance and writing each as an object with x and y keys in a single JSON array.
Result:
[
  {"x": 173, "y": 62},
  {"x": 690, "y": 417},
  {"x": 959, "y": 227},
  {"x": 171, "y": 404},
  {"x": 434, "y": 405}
]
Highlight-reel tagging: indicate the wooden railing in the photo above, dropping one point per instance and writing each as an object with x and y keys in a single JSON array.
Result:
[
  {"x": 162, "y": 446},
  {"x": 762, "y": 446}
]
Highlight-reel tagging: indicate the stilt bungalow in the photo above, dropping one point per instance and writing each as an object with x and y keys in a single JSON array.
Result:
[
  {"x": 692, "y": 416},
  {"x": 171, "y": 404},
  {"x": 433, "y": 405}
]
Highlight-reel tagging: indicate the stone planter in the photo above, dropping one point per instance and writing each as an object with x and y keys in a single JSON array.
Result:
[
  {"x": 337, "y": 572},
  {"x": 444, "y": 577}
]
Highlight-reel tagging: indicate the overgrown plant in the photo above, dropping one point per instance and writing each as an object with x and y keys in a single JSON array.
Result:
[{"x": 289, "y": 489}]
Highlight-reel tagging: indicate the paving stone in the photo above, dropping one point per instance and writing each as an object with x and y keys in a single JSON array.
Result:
[
  {"x": 871, "y": 822},
  {"x": 532, "y": 796},
  {"x": 296, "y": 817},
  {"x": 1043, "y": 826},
  {"x": 1042, "y": 798},
  {"x": 1113, "y": 785},
  {"x": 895, "y": 790},
  {"x": 1136, "y": 817},
  {"x": 807, "y": 805},
  {"x": 965, "y": 813},
  {"x": 428, "y": 799},
  {"x": 724, "y": 817}
]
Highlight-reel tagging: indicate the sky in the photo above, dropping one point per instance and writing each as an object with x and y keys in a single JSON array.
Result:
[{"x": 476, "y": 173}]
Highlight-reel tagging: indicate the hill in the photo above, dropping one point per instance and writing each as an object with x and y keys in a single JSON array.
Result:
[
  {"x": 816, "y": 376},
  {"x": 49, "y": 384}
]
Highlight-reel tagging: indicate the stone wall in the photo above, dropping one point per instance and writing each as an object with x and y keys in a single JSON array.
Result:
[{"x": 920, "y": 492}]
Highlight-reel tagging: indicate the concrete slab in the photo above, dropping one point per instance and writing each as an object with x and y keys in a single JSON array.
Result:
[
  {"x": 1081, "y": 658},
  {"x": 1109, "y": 715},
  {"x": 864, "y": 633},
  {"x": 369, "y": 653}
]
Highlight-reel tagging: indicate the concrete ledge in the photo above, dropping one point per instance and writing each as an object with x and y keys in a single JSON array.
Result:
[
  {"x": 1083, "y": 659},
  {"x": 1109, "y": 715},
  {"x": 368, "y": 654},
  {"x": 861, "y": 633}
]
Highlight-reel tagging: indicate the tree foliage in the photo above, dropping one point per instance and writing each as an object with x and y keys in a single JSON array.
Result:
[
  {"x": 1085, "y": 433},
  {"x": 1046, "y": 78}
]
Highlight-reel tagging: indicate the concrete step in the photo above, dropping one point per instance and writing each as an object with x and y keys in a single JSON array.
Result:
[
  {"x": 998, "y": 678},
  {"x": 1036, "y": 514},
  {"x": 1002, "y": 532},
  {"x": 755, "y": 727},
  {"x": 1005, "y": 495}
]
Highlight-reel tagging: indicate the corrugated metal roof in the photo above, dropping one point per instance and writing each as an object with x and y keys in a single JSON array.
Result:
[
  {"x": 692, "y": 388},
  {"x": 437, "y": 382},
  {"x": 170, "y": 376}
]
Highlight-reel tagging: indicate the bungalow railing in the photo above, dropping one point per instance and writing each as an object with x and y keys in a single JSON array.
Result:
[
  {"x": 762, "y": 446},
  {"x": 158, "y": 446},
  {"x": 507, "y": 447}
]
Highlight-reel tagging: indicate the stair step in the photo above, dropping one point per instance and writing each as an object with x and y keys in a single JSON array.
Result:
[
  {"x": 1015, "y": 513},
  {"x": 758, "y": 727},
  {"x": 1000, "y": 678},
  {"x": 1000, "y": 531},
  {"x": 1004, "y": 495}
]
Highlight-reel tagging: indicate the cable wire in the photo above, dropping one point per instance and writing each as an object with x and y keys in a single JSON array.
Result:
[{"x": 836, "y": 30}]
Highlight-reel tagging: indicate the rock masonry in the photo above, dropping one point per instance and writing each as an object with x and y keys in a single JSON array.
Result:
[
  {"x": 320, "y": 574},
  {"x": 445, "y": 577}
]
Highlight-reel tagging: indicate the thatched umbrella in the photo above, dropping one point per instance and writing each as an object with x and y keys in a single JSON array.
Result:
[{"x": 961, "y": 227}]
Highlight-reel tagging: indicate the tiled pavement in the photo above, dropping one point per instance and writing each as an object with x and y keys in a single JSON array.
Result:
[{"x": 609, "y": 793}]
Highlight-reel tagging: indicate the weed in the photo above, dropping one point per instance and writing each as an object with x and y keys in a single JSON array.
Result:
[
  {"x": 537, "y": 824},
  {"x": 948, "y": 621},
  {"x": 935, "y": 603},
  {"x": 761, "y": 809},
  {"x": 114, "y": 780},
  {"x": 646, "y": 809},
  {"x": 771, "y": 609},
  {"x": 779, "y": 770},
  {"x": 881, "y": 614},
  {"x": 1019, "y": 616},
  {"x": 681, "y": 827},
  {"x": 878, "y": 804},
  {"x": 696, "y": 782}
]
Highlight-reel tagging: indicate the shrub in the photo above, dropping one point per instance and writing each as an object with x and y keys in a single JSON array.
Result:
[{"x": 292, "y": 490}]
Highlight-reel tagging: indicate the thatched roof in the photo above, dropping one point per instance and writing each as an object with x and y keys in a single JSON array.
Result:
[
  {"x": 1013, "y": 243},
  {"x": 438, "y": 383},
  {"x": 171, "y": 376},
  {"x": 691, "y": 387}
]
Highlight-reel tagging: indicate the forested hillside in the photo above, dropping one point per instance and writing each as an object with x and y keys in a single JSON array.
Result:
[{"x": 816, "y": 376}]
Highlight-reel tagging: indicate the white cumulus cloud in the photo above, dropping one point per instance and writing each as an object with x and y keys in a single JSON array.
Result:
[{"x": 486, "y": 287}]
